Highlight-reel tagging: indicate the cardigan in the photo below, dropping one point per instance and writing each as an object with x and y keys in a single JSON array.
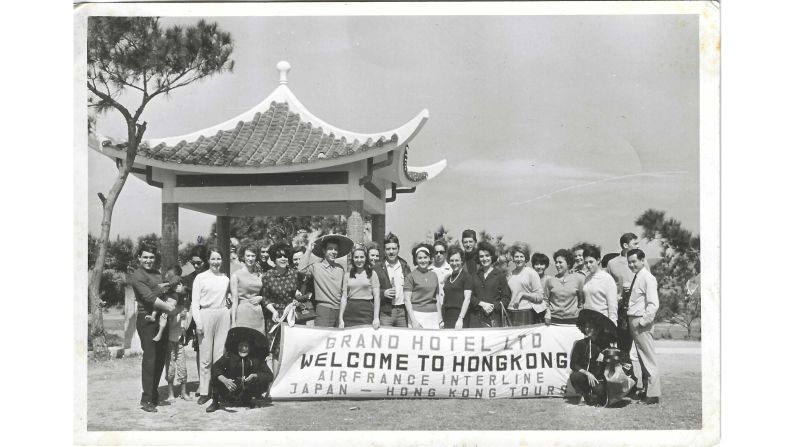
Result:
[{"x": 491, "y": 289}]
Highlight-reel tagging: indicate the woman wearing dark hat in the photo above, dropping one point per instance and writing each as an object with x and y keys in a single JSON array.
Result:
[
  {"x": 421, "y": 292},
  {"x": 242, "y": 374},
  {"x": 586, "y": 362},
  {"x": 245, "y": 285},
  {"x": 361, "y": 305},
  {"x": 328, "y": 275},
  {"x": 490, "y": 291}
]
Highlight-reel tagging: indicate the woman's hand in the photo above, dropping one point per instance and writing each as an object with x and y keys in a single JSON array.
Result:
[
  {"x": 459, "y": 323},
  {"x": 547, "y": 320},
  {"x": 376, "y": 323},
  {"x": 275, "y": 316},
  {"x": 390, "y": 293},
  {"x": 487, "y": 307},
  {"x": 342, "y": 324},
  {"x": 199, "y": 332}
]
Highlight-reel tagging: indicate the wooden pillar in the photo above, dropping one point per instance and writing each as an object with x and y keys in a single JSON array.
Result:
[
  {"x": 222, "y": 227},
  {"x": 169, "y": 241},
  {"x": 356, "y": 227},
  {"x": 379, "y": 229}
]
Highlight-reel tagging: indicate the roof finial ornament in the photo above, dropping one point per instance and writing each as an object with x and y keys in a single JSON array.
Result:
[{"x": 284, "y": 68}]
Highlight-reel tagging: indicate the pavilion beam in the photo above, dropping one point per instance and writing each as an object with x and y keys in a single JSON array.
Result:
[
  {"x": 169, "y": 241},
  {"x": 222, "y": 235}
]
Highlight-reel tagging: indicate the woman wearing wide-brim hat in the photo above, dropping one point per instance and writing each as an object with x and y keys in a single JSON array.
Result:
[
  {"x": 242, "y": 374},
  {"x": 587, "y": 377},
  {"x": 329, "y": 276}
]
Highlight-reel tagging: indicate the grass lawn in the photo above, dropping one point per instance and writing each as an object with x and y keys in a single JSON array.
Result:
[{"x": 114, "y": 388}]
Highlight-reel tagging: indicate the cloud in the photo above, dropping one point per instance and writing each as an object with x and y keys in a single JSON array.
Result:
[
  {"x": 521, "y": 169},
  {"x": 547, "y": 195}
]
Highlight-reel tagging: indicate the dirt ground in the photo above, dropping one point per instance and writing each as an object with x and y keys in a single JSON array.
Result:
[{"x": 114, "y": 387}]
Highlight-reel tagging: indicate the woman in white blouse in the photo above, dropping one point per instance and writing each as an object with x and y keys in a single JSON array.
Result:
[
  {"x": 208, "y": 307},
  {"x": 599, "y": 289}
]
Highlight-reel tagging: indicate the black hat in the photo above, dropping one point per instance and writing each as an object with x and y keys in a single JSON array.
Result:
[
  {"x": 344, "y": 245},
  {"x": 256, "y": 340},
  {"x": 606, "y": 327}
]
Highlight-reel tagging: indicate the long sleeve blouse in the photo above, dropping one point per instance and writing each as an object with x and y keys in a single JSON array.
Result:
[
  {"x": 601, "y": 295},
  {"x": 209, "y": 292}
]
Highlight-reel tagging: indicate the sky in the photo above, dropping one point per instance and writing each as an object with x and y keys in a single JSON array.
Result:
[{"x": 555, "y": 129}]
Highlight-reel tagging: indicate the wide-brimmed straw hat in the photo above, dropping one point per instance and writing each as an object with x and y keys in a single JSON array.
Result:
[
  {"x": 257, "y": 341},
  {"x": 344, "y": 245},
  {"x": 607, "y": 330}
]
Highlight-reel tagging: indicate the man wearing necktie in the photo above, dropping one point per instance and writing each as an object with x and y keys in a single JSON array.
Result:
[{"x": 643, "y": 305}]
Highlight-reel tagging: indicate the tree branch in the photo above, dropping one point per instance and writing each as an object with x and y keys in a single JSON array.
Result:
[{"x": 107, "y": 98}]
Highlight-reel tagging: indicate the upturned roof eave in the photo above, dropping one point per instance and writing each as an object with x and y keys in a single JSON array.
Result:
[{"x": 283, "y": 94}]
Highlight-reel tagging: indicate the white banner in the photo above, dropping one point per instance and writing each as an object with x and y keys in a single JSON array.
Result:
[{"x": 361, "y": 362}]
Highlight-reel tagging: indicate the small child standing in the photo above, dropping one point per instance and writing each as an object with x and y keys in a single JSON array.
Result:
[
  {"x": 174, "y": 283},
  {"x": 176, "y": 322}
]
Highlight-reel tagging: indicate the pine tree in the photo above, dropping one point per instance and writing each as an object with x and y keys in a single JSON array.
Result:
[{"x": 135, "y": 53}]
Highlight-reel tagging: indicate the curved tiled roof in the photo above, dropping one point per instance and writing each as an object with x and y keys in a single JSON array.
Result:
[
  {"x": 274, "y": 137},
  {"x": 277, "y": 135}
]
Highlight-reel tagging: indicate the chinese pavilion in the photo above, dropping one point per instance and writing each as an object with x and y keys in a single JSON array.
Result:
[{"x": 277, "y": 159}]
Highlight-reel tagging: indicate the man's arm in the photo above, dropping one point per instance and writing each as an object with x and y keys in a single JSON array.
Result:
[{"x": 652, "y": 299}]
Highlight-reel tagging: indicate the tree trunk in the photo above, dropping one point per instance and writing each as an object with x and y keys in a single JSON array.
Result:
[{"x": 96, "y": 325}]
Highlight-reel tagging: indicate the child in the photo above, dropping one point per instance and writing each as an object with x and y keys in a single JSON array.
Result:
[
  {"x": 241, "y": 375},
  {"x": 176, "y": 322},
  {"x": 172, "y": 277}
]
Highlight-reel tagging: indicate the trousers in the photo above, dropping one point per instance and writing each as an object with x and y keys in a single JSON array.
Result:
[
  {"x": 327, "y": 316},
  {"x": 176, "y": 366},
  {"x": 153, "y": 359},
  {"x": 393, "y": 316},
  {"x": 216, "y": 324},
  {"x": 644, "y": 342}
]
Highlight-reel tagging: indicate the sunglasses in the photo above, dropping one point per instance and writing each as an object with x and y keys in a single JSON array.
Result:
[{"x": 281, "y": 255}]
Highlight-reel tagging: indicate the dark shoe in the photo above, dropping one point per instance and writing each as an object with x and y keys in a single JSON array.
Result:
[
  {"x": 651, "y": 401},
  {"x": 149, "y": 407},
  {"x": 213, "y": 406},
  {"x": 641, "y": 395},
  {"x": 203, "y": 400}
]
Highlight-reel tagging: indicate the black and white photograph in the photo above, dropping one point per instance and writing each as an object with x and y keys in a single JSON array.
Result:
[{"x": 397, "y": 223}]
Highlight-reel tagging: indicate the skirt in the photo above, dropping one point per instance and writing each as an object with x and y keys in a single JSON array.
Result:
[
  {"x": 450, "y": 316},
  {"x": 428, "y": 320},
  {"x": 250, "y": 315},
  {"x": 358, "y": 313}
]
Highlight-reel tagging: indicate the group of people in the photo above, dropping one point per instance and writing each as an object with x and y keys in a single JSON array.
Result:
[{"x": 335, "y": 283}]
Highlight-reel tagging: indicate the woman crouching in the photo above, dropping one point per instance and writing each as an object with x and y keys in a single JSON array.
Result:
[
  {"x": 587, "y": 364},
  {"x": 241, "y": 375}
]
